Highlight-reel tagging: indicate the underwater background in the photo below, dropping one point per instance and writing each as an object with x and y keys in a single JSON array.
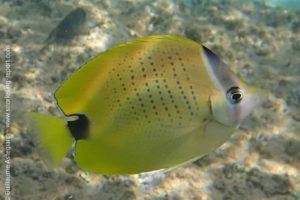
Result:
[{"x": 259, "y": 40}]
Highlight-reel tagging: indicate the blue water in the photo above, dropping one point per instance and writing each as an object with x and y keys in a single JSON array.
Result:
[
  {"x": 273, "y": 3},
  {"x": 281, "y": 3}
]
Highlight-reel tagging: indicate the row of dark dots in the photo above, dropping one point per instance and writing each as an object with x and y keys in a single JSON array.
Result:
[
  {"x": 108, "y": 84},
  {"x": 143, "y": 69},
  {"x": 120, "y": 78},
  {"x": 132, "y": 108},
  {"x": 142, "y": 107},
  {"x": 173, "y": 102},
  {"x": 151, "y": 100},
  {"x": 194, "y": 97},
  {"x": 187, "y": 102}
]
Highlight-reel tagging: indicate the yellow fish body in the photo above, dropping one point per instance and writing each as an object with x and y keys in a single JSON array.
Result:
[{"x": 148, "y": 104}]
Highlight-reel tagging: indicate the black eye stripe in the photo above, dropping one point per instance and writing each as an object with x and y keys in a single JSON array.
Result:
[{"x": 234, "y": 95}]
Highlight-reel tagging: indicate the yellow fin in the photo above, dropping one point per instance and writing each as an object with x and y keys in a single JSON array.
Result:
[{"x": 53, "y": 136}]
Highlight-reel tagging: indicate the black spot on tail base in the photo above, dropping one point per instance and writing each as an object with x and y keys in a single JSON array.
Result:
[{"x": 79, "y": 128}]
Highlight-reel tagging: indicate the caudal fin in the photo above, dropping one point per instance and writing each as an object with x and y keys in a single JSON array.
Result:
[{"x": 53, "y": 137}]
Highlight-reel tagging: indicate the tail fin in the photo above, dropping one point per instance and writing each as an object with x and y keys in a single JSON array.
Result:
[{"x": 53, "y": 137}]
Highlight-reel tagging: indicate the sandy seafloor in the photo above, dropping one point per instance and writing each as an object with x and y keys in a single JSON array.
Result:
[{"x": 261, "y": 44}]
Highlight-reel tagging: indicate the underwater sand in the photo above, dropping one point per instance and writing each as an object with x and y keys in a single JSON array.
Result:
[{"x": 260, "y": 43}]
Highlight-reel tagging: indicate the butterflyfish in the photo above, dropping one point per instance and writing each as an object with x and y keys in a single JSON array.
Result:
[{"x": 148, "y": 104}]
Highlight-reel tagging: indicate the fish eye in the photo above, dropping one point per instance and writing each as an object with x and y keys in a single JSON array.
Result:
[{"x": 234, "y": 95}]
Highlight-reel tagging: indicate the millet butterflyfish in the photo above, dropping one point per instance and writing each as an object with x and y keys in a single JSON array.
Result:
[{"x": 151, "y": 103}]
